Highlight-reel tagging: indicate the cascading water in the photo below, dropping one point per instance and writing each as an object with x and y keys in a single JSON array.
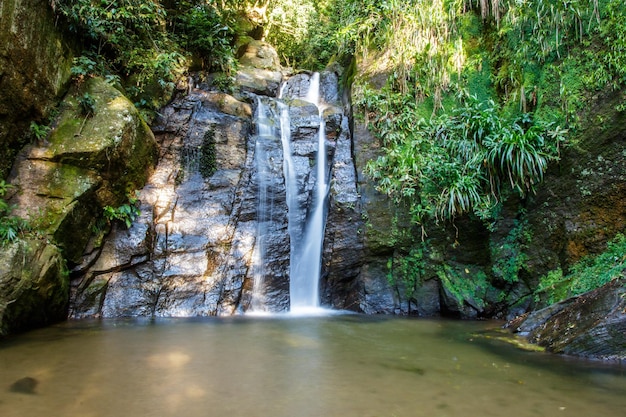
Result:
[
  {"x": 289, "y": 168},
  {"x": 305, "y": 225},
  {"x": 268, "y": 112},
  {"x": 265, "y": 132},
  {"x": 306, "y": 257}
]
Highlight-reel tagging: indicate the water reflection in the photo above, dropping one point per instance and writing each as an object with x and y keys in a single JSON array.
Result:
[{"x": 346, "y": 365}]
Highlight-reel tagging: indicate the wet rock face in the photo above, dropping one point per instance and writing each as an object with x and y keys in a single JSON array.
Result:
[
  {"x": 580, "y": 205},
  {"x": 342, "y": 260},
  {"x": 184, "y": 255},
  {"x": 194, "y": 250},
  {"x": 591, "y": 325}
]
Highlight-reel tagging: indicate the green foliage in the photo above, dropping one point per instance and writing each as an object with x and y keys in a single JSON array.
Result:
[
  {"x": 83, "y": 67},
  {"x": 87, "y": 104},
  {"x": 129, "y": 35},
  {"x": 465, "y": 288},
  {"x": 126, "y": 213},
  {"x": 289, "y": 28},
  {"x": 460, "y": 162},
  {"x": 38, "y": 131},
  {"x": 452, "y": 156},
  {"x": 509, "y": 255},
  {"x": 224, "y": 82},
  {"x": 406, "y": 271},
  {"x": 613, "y": 33},
  {"x": 589, "y": 273},
  {"x": 530, "y": 67},
  {"x": 553, "y": 287},
  {"x": 10, "y": 226},
  {"x": 208, "y": 31}
]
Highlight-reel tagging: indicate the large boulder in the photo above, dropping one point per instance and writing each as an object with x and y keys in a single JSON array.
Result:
[
  {"x": 89, "y": 161},
  {"x": 591, "y": 325},
  {"x": 33, "y": 285},
  {"x": 259, "y": 69}
]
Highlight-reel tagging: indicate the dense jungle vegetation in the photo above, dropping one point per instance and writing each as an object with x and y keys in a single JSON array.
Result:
[
  {"x": 478, "y": 95},
  {"x": 471, "y": 99}
]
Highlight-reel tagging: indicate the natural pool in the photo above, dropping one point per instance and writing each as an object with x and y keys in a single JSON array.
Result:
[{"x": 340, "y": 365}]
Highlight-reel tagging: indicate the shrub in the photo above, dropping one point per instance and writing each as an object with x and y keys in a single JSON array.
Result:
[
  {"x": 10, "y": 226},
  {"x": 458, "y": 163},
  {"x": 208, "y": 32},
  {"x": 126, "y": 213},
  {"x": 587, "y": 274},
  {"x": 87, "y": 104}
]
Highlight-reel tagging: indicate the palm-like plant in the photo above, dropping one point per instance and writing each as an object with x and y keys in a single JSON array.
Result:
[{"x": 10, "y": 226}]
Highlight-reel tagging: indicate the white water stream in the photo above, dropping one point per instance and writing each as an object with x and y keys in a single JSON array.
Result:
[
  {"x": 306, "y": 239},
  {"x": 306, "y": 259},
  {"x": 266, "y": 132}
]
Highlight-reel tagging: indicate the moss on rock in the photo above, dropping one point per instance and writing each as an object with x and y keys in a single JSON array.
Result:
[
  {"x": 35, "y": 62},
  {"x": 62, "y": 186},
  {"x": 34, "y": 285}
]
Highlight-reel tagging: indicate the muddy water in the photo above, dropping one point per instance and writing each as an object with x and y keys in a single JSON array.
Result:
[{"x": 342, "y": 365}]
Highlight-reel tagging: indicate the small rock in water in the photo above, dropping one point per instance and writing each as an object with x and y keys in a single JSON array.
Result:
[{"x": 24, "y": 385}]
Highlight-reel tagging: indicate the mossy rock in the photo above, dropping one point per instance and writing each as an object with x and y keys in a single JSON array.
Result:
[
  {"x": 34, "y": 286},
  {"x": 591, "y": 325},
  {"x": 114, "y": 140},
  {"x": 259, "y": 54},
  {"x": 91, "y": 161}
]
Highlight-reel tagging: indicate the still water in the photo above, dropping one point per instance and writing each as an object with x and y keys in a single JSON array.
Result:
[{"x": 334, "y": 366}]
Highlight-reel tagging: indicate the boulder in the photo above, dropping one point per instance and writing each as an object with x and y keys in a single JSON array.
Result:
[
  {"x": 259, "y": 69},
  {"x": 259, "y": 54},
  {"x": 61, "y": 185},
  {"x": 591, "y": 325},
  {"x": 33, "y": 285},
  {"x": 87, "y": 163}
]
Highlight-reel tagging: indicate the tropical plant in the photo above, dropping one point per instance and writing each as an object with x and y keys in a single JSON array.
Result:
[
  {"x": 126, "y": 213},
  {"x": 10, "y": 226},
  {"x": 129, "y": 35},
  {"x": 405, "y": 272},
  {"x": 208, "y": 31},
  {"x": 39, "y": 131},
  {"x": 585, "y": 275},
  {"x": 458, "y": 163},
  {"x": 87, "y": 104}
]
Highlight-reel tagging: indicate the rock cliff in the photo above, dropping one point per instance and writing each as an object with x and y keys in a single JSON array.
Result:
[
  {"x": 196, "y": 248},
  {"x": 61, "y": 185},
  {"x": 35, "y": 62}
]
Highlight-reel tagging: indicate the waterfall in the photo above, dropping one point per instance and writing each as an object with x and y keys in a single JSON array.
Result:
[
  {"x": 306, "y": 258},
  {"x": 305, "y": 224},
  {"x": 265, "y": 132},
  {"x": 289, "y": 169},
  {"x": 313, "y": 94}
]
